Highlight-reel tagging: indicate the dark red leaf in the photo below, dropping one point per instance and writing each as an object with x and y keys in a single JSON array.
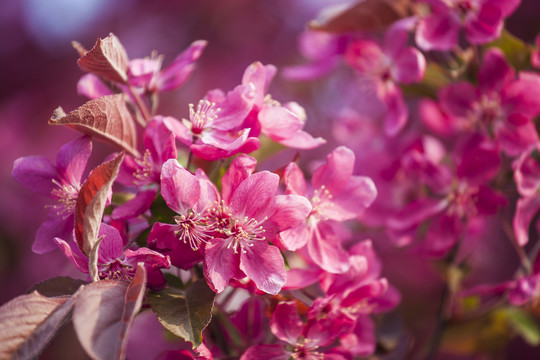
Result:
[
  {"x": 91, "y": 203},
  {"x": 29, "y": 322},
  {"x": 107, "y": 118},
  {"x": 57, "y": 286},
  {"x": 365, "y": 15},
  {"x": 107, "y": 59},
  {"x": 104, "y": 314}
]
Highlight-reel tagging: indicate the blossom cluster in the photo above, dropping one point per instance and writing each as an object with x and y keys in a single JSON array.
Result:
[{"x": 186, "y": 231}]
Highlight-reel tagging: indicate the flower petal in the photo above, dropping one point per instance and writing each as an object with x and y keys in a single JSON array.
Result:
[
  {"x": 286, "y": 323},
  {"x": 220, "y": 264},
  {"x": 180, "y": 188},
  {"x": 264, "y": 265}
]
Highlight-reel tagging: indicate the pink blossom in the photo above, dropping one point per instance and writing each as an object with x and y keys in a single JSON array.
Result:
[
  {"x": 114, "y": 262},
  {"x": 61, "y": 182},
  {"x": 250, "y": 215},
  {"x": 190, "y": 196},
  {"x": 214, "y": 129},
  {"x": 281, "y": 123},
  {"x": 144, "y": 172},
  {"x": 482, "y": 21},
  {"x": 387, "y": 66},
  {"x": 501, "y": 106},
  {"x": 336, "y": 196}
]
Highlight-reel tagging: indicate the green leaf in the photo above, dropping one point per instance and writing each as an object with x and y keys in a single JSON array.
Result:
[
  {"x": 184, "y": 313},
  {"x": 524, "y": 324},
  {"x": 516, "y": 51}
]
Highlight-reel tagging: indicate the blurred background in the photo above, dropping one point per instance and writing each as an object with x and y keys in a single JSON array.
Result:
[{"x": 38, "y": 73}]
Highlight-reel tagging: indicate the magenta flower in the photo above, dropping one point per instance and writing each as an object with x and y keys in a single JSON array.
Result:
[
  {"x": 336, "y": 196},
  {"x": 144, "y": 172},
  {"x": 281, "y": 123},
  {"x": 214, "y": 130},
  {"x": 249, "y": 216},
  {"x": 190, "y": 196},
  {"x": 387, "y": 66},
  {"x": 482, "y": 21},
  {"x": 114, "y": 262},
  {"x": 457, "y": 196},
  {"x": 60, "y": 182},
  {"x": 501, "y": 106},
  {"x": 308, "y": 340}
]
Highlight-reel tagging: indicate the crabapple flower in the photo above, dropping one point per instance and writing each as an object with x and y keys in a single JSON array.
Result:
[
  {"x": 308, "y": 340},
  {"x": 457, "y": 196},
  {"x": 115, "y": 263},
  {"x": 248, "y": 217},
  {"x": 482, "y": 21},
  {"x": 502, "y": 106},
  {"x": 214, "y": 129},
  {"x": 336, "y": 196},
  {"x": 282, "y": 123},
  {"x": 190, "y": 196},
  {"x": 144, "y": 172},
  {"x": 387, "y": 66},
  {"x": 60, "y": 181}
]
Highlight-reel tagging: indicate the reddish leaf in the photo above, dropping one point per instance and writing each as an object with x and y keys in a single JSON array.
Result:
[
  {"x": 184, "y": 313},
  {"x": 29, "y": 322},
  {"x": 104, "y": 315},
  {"x": 91, "y": 203},
  {"x": 107, "y": 118},
  {"x": 107, "y": 59},
  {"x": 365, "y": 15}
]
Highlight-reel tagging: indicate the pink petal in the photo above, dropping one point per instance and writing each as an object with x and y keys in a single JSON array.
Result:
[
  {"x": 136, "y": 206},
  {"x": 416, "y": 212},
  {"x": 163, "y": 237},
  {"x": 179, "y": 129},
  {"x": 436, "y": 119},
  {"x": 73, "y": 254},
  {"x": 159, "y": 140},
  {"x": 513, "y": 139},
  {"x": 396, "y": 109},
  {"x": 179, "y": 187},
  {"x": 286, "y": 323},
  {"x": 181, "y": 67},
  {"x": 522, "y": 96},
  {"x": 259, "y": 76},
  {"x": 55, "y": 226},
  {"x": 301, "y": 278},
  {"x": 310, "y": 71},
  {"x": 92, "y": 87},
  {"x": 359, "y": 193},
  {"x": 526, "y": 209},
  {"x": 326, "y": 251},
  {"x": 360, "y": 342},
  {"x": 265, "y": 352},
  {"x": 291, "y": 211},
  {"x": 527, "y": 173},
  {"x": 241, "y": 168},
  {"x": 295, "y": 238},
  {"x": 294, "y": 180},
  {"x": 397, "y": 35},
  {"x": 220, "y": 264},
  {"x": 278, "y": 122},
  {"x": 409, "y": 66},
  {"x": 36, "y": 173},
  {"x": 265, "y": 266},
  {"x": 72, "y": 158},
  {"x": 254, "y": 194},
  {"x": 438, "y": 31},
  {"x": 111, "y": 246},
  {"x": 457, "y": 99},
  {"x": 365, "y": 56},
  {"x": 495, "y": 71},
  {"x": 485, "y": 26},
  {"x": 234, "y": 108},
  {"x": 334, "y": 175}
]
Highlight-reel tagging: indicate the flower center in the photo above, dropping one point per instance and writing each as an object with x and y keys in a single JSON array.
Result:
[
  {"x": 321, "y": 203},
  {"x": 241, "y": 232},
  {"x": 116, "y": 270},
  {"x": 192, "y": 228},
  {"x": 66, "y": 196},
  {"x": 204, "y": 116},
  {"x": 145, "y": 169},
  {"x": 463, "y": 201}
]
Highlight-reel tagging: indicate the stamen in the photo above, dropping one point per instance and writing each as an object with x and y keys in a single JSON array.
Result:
[{"x": 204, "y": 116}]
